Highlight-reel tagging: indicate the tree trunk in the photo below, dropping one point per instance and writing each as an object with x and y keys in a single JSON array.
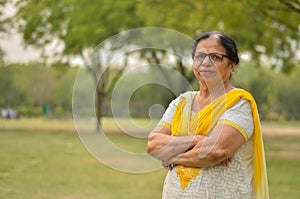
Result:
[{"x": 99, "y": 107}]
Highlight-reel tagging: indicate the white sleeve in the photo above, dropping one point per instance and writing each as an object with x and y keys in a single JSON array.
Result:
[
  {"x": 240, "y": 117},
  {"x": 169, "y": 113}
]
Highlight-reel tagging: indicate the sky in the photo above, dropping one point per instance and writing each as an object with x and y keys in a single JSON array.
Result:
[
  {"x": 16, "y": 51},
  {"x": 12, "y": 44}
]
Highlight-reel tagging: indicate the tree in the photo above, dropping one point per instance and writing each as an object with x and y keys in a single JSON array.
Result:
[
  {"x": 263, "y": 29},
  {"x": 281, "y": 31},
  {"x": 78, "y": 26},
  {"x": 3, "y": 28},
  {"x": 7, "y": 87}
]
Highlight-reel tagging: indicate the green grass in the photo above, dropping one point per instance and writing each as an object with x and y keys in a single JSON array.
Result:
[
  {"x": 46, "y": 161},
  {"x": 56, "y": 165},
  {"x": 283, "y": 160},
  {"x": 37, "y": 125}
]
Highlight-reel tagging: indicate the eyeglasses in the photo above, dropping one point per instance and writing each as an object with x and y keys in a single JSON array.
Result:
[{"x": 214, "y": 57}]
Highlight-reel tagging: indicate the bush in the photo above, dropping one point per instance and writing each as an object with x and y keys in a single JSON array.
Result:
[{"x": 30, "y": 111}]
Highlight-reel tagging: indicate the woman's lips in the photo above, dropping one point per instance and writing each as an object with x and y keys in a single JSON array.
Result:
[{"x": 206, "y": 71}]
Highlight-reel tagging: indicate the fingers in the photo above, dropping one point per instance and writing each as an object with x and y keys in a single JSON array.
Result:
[{"x": 226, "y": 162}]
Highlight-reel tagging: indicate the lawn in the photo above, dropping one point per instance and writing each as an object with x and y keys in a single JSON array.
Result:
[{"x": 52, "y": 163}]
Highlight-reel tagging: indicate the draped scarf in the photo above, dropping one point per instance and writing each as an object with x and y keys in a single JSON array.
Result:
[{"x": 204, "y": 121}]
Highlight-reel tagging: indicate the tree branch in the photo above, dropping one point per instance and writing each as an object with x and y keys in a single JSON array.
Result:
[
  {"x": 280, "y": 21},
  {"x": 117, "y": 76},
  {"x": 292, "y": 5},
  {"x": 89, "y": 68},
  {"x": 163, "y": 72}
]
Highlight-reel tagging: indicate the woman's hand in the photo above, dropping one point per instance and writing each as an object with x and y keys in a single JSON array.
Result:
[
  {"x": 163, "y": 146},
  {"x": 215, "y": 149}
]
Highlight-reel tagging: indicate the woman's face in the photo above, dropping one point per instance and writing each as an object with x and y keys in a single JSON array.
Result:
[{"x": 215, "y": 69}]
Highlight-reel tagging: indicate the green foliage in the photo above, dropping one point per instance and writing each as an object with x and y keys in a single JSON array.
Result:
[
  {"x": 28, "y": 87},
  {"x": 268, "y": 31},
  {"x": 276, "y": 93},
  {"x": 261, "y": 27},
  {"x": 79, "y": 24},
  {"x": 29, "y": 111},
  {"x": 2, "y": 55},
  {"x": 288, "y": 96},
  {"x": 141, "y": 102},
  {"x": 8, "y": 86}
]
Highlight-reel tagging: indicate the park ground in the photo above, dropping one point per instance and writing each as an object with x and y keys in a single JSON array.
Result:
[{"x": 45, "y": 159}]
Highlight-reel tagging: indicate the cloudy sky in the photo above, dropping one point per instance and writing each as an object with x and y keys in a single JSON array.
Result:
[
  {"x": 11, "y": 43},
  {"x": 15, "y": 50}
]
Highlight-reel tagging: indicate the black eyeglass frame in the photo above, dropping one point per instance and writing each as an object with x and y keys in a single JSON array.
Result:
[{"x": 211, "y": 58}]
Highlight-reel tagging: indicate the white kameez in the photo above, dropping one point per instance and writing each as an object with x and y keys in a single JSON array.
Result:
[{"x": 219, "y": 182}]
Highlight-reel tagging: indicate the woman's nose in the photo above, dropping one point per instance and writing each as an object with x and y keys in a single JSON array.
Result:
[{"x": 206, "y": 61}]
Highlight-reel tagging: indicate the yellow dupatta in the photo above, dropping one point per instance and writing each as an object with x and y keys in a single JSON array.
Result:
[{"x": 204, "y": 121}]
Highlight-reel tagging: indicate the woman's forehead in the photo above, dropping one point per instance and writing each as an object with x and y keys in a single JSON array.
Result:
[{"x": 209, "y": 44}]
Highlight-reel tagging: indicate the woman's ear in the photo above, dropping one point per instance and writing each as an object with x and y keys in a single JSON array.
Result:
[{"x": 232, "y": 65}]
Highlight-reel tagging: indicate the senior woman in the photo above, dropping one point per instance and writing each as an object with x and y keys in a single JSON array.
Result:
[{"x": 210, "y": 140}]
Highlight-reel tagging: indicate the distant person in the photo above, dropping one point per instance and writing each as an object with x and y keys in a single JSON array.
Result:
[
  {"x": 4, "y": 113},
  {"x": 210, "y": 140},
  {"x": 11, "y": 113}
]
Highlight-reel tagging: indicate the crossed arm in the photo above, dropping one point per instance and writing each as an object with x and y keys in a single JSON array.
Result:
[{"x": 196, "y": 150}]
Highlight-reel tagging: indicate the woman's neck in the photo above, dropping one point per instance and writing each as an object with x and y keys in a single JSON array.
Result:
[
  {"x": 208, "y": 94},
  {"x": 213, "y": 92}
]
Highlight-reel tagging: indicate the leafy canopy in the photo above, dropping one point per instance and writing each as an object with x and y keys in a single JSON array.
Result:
[{"x": 262, "y": 28}]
